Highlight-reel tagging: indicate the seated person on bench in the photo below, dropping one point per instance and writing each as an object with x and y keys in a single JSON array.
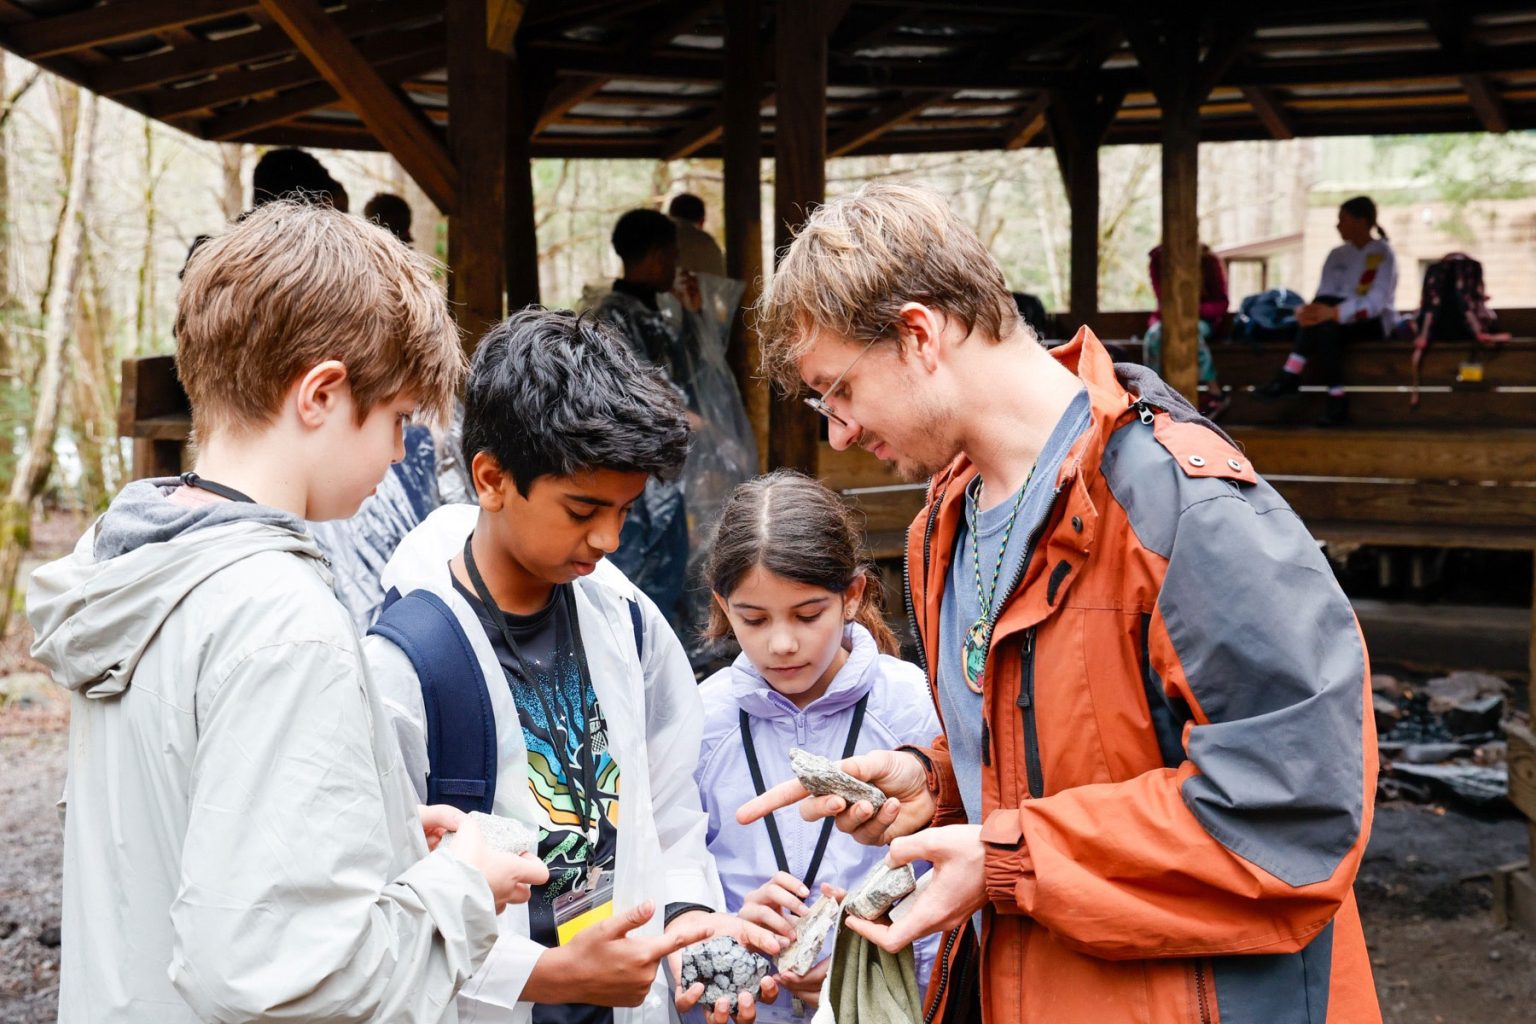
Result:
[{"x": 1354, "y": 302}]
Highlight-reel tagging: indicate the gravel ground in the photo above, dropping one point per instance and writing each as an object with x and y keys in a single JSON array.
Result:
[{"x": 29, "y": 874}]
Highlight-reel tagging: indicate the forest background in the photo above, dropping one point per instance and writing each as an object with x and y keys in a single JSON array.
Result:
[{"x": 98, "y": 206}]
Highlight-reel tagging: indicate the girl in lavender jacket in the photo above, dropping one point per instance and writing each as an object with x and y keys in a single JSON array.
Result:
[{"x": 817, "y": 671}]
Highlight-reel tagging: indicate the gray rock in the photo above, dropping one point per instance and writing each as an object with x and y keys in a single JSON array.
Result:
[
  {"x": 879, "y": 891},
  {"x": 726, "y": 967},
  {"x": 810, "y": 932},
  {"x": 506, "y": 834},
  {"x": 822, "y": 777}
]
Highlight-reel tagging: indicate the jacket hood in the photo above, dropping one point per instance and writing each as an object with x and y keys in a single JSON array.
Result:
[
  {"x": 97, "y": 609},
  {"x": 754, "y": 696}
]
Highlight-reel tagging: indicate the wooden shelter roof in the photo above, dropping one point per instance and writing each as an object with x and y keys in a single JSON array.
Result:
[{"x": 620, "y": 78}]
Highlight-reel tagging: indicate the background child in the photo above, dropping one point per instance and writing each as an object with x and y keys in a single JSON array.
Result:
[
  {"x": 817, "y": 671},
  {"x": 593, "y": 706},
  {"x": 240, "y": 842}
]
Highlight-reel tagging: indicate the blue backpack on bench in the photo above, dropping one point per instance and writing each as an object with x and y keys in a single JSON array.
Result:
[{"x": 461, "y": 727}]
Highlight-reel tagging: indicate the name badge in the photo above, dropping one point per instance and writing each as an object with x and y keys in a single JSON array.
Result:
[{"x": 584, "y": 906}]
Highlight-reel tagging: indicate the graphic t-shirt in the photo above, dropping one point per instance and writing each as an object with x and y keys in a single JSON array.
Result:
[{"x": 559, "y": 715}]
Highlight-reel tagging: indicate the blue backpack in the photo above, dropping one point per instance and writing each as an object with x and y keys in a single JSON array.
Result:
[{"x": 461, "y": 727}]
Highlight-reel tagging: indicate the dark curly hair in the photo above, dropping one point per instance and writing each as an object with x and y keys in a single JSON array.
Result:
[{"x": 551, "y": 393}]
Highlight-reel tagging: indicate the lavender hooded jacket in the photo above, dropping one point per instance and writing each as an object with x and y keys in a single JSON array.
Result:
[{"x": 900, "y": 710}]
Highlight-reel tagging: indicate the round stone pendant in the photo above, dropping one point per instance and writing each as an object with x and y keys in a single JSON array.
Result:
[{"x": 973, "y": 655}]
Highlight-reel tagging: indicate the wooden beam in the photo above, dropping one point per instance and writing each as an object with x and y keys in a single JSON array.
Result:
[
  {"x": 742, "y": 154},
  {"x": 209, "y": 56},
  {"x": 800, "y": 155},
  {"x": 168, "y": 104},
  {"x": 1486, "y": 102},
  {"x": 1169, "y": 52},
  {"x": 1277, "y": 121},
  {"x": 695, "y": 137},
  {"x": 502, "y": 18},
  {"x": 885, "y": 117},
  {"x": 110, "y": 23},
  {"x": 477, "y": 102},
  {"x": 1030, "y": 122},
  {"x": 300, "y": 101},
  {"x": 393, "y": 119},
  {"x": 520, "y": 223},
  {"x": 1231, "y": 37},
  {"x": 568, "y": 93}
]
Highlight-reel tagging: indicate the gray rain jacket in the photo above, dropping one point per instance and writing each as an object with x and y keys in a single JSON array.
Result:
[{"x": 241, "y": 842}]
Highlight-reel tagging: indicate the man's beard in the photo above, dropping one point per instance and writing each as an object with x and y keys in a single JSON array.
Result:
[{"x": 932, "y": 425}]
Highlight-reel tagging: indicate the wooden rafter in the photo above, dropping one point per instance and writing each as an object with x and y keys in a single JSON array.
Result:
[
  {"x": 569, "y": 93},
  {"x": 302, "y": 100},
  {"x": 209, "y": 56},
  {"x": 282, "y": 77},
  {"x": 502, "y": 19},
  {"x": 695, "y": 137},
  {"x": 1449, "y": 27},
  {"x": 1277, "y": 120},
  {"x": 885, "y": 117},
  {"x": 94, "y": 26},
  {"x": 1486, "y": 102},
  {"x": 389, "y": 115},
  {"x": 1030, "y": 122}
]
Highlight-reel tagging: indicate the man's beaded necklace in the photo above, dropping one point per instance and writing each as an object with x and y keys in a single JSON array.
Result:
[{"x": 973, "y": 650}]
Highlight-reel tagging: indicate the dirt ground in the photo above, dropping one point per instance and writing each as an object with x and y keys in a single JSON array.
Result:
[{"x": 1424, "y": 888}]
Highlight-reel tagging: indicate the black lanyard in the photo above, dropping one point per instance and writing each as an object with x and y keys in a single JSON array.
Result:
[
  {"x": 586, "y": 762},
  {"x": 193, "y": 480},
  {"x": 757, "y": 784}
]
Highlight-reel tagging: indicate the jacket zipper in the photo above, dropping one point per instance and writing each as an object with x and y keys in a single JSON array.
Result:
[
  {"x": 1200, "y": 997},
  {"x": 1026, "y": 698},
  {"x": 906, "y": 580},
  {"x": 1026, "y": 702},
  {"x": 938, "y": 991}
]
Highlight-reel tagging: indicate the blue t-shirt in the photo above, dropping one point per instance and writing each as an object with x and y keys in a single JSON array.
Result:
[{"x": 961, "y": 607}]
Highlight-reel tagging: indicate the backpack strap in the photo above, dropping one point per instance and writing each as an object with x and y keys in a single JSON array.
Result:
[
  {"x": 638, "y": 622},
  {"x": 461, "y": 727}
]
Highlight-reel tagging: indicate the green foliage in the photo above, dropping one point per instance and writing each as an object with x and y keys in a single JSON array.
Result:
[{"x": 1461, "y": 170}]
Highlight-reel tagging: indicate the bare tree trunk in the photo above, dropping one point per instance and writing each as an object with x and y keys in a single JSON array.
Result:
[
  {"x": 232, "y": 200},
  {"x": 37, "y": 459},
  {"x": 144, "y": 325},
  {"x": 94, "y": 397}
]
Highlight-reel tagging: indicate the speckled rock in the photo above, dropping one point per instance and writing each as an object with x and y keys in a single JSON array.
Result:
[
  {"x": 810, "y": 932},
  {"x": 726, "y": 967},
  {"x": 879, "y": 891},
  {"x": 822, "y": 777},
  {"x": 506, "y": 834}
]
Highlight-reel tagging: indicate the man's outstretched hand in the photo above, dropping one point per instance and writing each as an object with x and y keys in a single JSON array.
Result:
[
  {"x": 957, "y": 889},
  {"x": 900, "y": 776}
]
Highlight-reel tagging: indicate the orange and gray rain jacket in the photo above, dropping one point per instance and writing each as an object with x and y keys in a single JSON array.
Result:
[{"x": 1177, "y": 763}]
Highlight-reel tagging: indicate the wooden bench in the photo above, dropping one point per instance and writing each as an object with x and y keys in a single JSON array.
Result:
[{"x": 153, "y": 410}]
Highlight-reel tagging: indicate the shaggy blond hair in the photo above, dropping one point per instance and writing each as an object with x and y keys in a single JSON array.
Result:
[
  {"x": 857, "y": 260},
  {"x": 293, "y": 285}
]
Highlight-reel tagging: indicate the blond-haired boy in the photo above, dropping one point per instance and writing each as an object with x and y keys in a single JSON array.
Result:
[{"x": 240, "y": 841}]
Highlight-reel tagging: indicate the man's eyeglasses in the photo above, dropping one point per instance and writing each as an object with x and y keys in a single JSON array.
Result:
[{"x": 819, "y": 402}]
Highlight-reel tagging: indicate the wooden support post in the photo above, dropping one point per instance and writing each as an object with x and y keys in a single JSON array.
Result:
[
  {"x": 1077, "y": 119},
  {"x": 1180, "y": 306},
  {"x": 743, "y": 152},
  {"x": 520, "y": 226},
  {"x": 478, "y": 91},
  {"x": 799, "y": 153},
  {"x": 1169, "y": 52}
]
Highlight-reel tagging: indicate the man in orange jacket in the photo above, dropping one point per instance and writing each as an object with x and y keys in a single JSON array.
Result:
[{"x": 1154, "y": 785}]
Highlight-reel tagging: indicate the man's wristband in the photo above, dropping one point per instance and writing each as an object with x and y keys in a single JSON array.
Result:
[
  {"x": 676, "y": 910},
  {"x": 930, "y": 774}
]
